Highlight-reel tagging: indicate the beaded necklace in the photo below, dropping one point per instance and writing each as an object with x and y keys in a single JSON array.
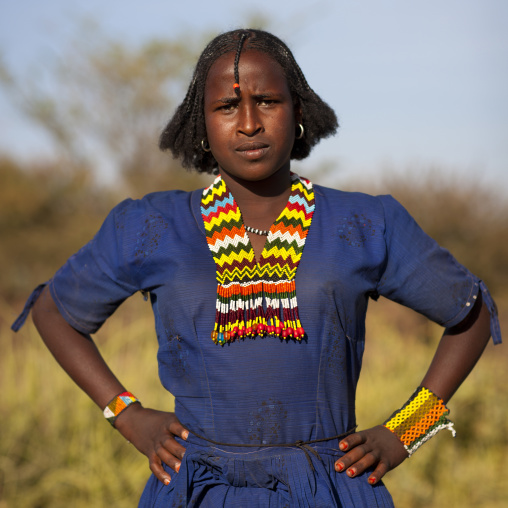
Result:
[{"x": 242, "y": 283}]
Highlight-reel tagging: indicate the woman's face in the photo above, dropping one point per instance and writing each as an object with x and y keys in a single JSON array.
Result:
[{"x": 251, "y": 136}]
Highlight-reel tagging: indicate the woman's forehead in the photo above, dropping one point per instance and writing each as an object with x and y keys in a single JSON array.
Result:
[{"x": 255, "y": 68}]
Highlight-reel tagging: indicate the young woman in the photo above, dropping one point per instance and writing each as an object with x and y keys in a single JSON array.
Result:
[{"x": 259, "y": 286}]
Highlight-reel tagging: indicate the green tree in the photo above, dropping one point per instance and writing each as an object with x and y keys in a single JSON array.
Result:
[{"x": 104, "y": 103}]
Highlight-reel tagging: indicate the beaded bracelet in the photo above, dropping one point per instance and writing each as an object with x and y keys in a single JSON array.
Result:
[
  {"x": 117, "y": 405},
  {"x": 420, "y": 418}
]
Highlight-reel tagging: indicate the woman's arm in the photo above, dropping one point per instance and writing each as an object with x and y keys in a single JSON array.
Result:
[
  {"x": 458, "y": 351},
  {"x": 456, "y": 355},
  {"x": 152, "y": 432}
]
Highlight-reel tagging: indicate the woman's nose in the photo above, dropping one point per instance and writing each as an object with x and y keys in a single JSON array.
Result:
[{"x": 249, "y": 122}]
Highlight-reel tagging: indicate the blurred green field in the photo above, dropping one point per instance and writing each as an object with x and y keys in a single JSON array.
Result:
[{"x": 56, "y": 450}]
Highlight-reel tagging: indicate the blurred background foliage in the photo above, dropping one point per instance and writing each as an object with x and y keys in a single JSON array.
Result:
[{"x": 103, "y": 112}]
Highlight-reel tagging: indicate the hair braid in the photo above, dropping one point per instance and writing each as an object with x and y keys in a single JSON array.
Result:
[
  {"x": 237, "y": 60},
  {"x": 184, "y": 132}
]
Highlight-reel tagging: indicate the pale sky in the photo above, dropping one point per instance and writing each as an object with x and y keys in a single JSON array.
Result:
[{"x": 414, "y": 84}]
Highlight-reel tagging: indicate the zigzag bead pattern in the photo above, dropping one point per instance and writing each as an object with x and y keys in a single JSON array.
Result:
[
  {"x": 242, "y": 283},
  {"x": 419, "y": 419}
]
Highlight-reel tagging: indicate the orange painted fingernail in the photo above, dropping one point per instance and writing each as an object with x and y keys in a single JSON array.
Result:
[
  {"x": 339, "y": 466},
  {"x": 166, "y": 481},
  {"x": 343, "y": 446},
  {"x": 351, "y": 472},
  {"x": 185, "y": 434},
  {"x": 372, "y": 480},
  {"x": 177, "y": 468}
]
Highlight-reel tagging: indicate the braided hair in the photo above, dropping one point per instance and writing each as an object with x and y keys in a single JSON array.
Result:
[{"x": 186, "y": 129}]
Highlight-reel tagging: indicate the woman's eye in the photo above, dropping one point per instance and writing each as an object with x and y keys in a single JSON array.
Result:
[
  {"x": 228, "y": 107},
  {"x": 266, "y": 102}
]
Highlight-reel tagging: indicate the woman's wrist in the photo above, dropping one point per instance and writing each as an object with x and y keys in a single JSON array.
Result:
[
  {"x": 119, "y": 404},
  {"x": 126, "y": 421},
  {"x": 419, "y": 419}
]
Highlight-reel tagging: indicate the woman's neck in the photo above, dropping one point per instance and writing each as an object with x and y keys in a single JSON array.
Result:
[{"x": 260, "y": 202}]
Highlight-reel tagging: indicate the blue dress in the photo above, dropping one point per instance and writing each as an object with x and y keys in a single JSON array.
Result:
[{"x": 264, "y": 390}]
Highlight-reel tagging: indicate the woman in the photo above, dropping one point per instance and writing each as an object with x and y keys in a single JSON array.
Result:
[{"x": 263, "y": 355}]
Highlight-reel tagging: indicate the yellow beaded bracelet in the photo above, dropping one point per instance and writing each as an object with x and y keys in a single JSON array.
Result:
[
  {"x": 117, "y": 405},
  {"x": 419, "y": 419}
]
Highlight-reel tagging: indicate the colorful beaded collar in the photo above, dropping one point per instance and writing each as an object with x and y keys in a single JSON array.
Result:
[{"x": 256, "y": 299}]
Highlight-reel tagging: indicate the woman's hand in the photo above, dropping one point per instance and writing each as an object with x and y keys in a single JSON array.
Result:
[
  {"x": 153, "y": 434},
  {"x": 377, "y": 447}
]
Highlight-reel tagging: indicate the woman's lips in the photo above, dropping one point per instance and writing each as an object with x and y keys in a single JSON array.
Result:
[{"x": 252, "y": 150}]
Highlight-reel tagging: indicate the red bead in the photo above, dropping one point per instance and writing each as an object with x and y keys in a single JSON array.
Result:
[
  {"x": 301, "y": 332},
  {"x": 234, "y": 332},
  {"x": 285, "y": 333},
  {"x": 290, "y": 332},
  {"x": 248, "y": 331},
  {"x": 254, "y": 328},
  {"x": 270, "y": 329},
  {"x": 278, "y": 331}
]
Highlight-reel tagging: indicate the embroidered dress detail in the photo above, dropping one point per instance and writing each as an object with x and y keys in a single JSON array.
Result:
[{"x": 244, "y": 285}]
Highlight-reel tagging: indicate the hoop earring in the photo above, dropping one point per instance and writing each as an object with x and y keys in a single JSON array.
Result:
[
  {"x": 302, "y": 131},
  {"x": 206, "y": 147}
]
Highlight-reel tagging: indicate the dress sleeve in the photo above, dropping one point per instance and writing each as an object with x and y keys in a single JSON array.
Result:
[
  {"x": 89, "y": 287},
  {"x": 420, "y": 274}
]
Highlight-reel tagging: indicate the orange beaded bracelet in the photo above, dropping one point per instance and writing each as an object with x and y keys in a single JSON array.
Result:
[
  {"x": 419, "y": 419},
  {"x": 117, "y": 405}
]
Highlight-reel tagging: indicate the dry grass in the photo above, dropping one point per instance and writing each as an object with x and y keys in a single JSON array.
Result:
[
  {"x": 454, "y": 473},
  {"x": 56, "y": 450}
]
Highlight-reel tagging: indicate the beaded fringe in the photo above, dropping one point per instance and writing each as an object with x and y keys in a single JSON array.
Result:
[{"x": 256, "y": 299}]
